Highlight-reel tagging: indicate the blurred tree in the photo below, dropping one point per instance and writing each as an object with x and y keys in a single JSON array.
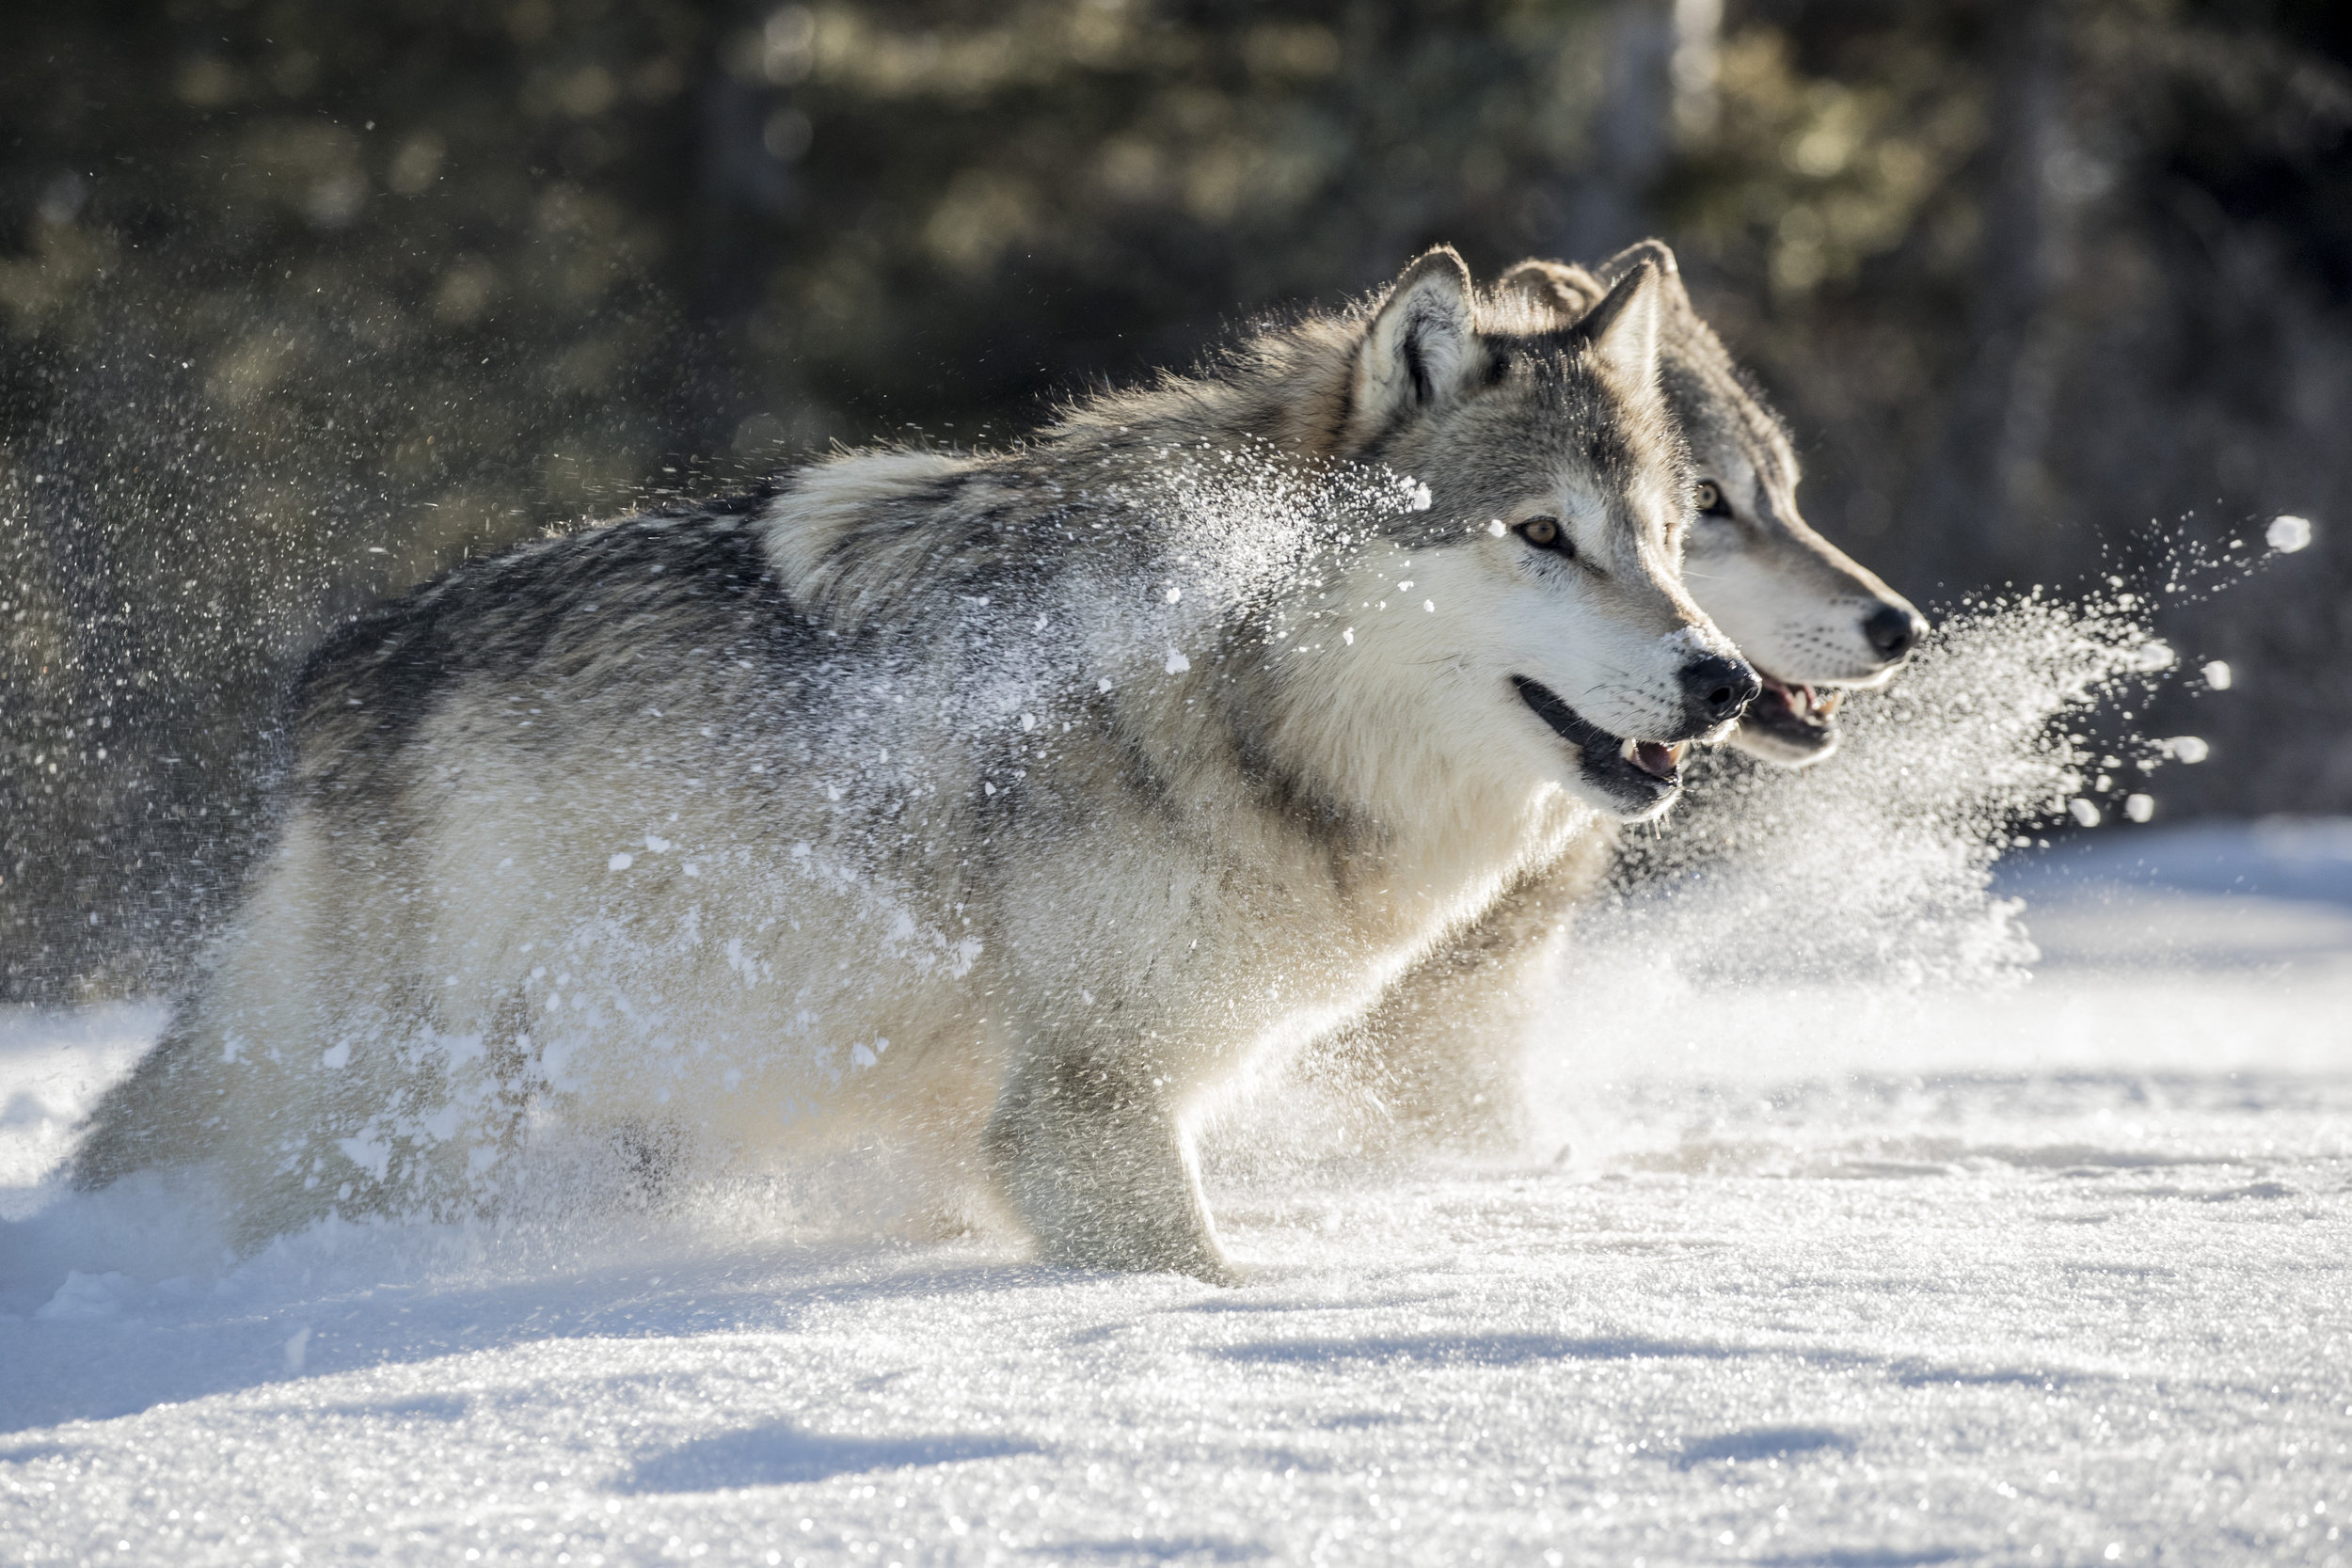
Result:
[
  {"x": 305, "y": 303},
  {"x": 2049, "y": 285}
]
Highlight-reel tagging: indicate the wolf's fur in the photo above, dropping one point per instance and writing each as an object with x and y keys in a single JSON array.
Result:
[
  {"x": 1438, "y": 1051},
  {"x": 1798, "y": 606},
  {"x": 989, "y": 798}
]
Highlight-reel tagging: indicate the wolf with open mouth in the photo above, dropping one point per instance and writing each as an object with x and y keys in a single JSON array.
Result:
[
  {"x": 1438, "y": 1051},
  {"x": 1011, "y": 805},
  {"x": 1815, "y": 622}
]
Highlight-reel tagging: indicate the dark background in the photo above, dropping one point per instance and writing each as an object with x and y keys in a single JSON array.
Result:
[{"x": 304, "y": 302}]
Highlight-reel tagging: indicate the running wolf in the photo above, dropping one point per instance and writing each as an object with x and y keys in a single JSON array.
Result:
[
  {"x": 1814, "y": 623},
  {"x": 1018, "y": 801}
]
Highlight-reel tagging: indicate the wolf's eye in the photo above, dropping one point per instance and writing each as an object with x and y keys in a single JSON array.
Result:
[
  {"x": 1708, "y": 498},
  {"x": 1544, "y": 534}
]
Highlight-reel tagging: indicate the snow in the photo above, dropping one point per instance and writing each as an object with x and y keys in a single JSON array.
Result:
[
  {"x": 1843, "y": 1271},
  {"x": 2288, "y": 534}
]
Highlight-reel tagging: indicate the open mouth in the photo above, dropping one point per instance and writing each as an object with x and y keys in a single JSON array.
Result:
[
  {"x": 1803, "y": 716},
  {"x": 1642, "y": 773}
]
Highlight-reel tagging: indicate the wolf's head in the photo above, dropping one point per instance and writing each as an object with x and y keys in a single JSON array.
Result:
[
  {"x": 1559, "y": 497},
  {"x": 1813, "y": 621}
]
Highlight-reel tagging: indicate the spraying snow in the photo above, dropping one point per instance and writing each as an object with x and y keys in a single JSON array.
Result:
[{"x": 1901, "y": 1192}]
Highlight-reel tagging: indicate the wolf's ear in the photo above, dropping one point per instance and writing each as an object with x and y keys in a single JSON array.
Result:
[
  {"x": 1565, "y": 290},
  {"x": 1623, "y": 331},
  {"x": 1417, "y": 351},
  {"x": 1659, "y": 255}
]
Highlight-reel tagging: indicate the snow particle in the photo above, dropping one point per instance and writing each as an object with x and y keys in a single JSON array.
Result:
[
  {"x": 620, "y": 863},
  {"x": 1103, "y": 685},
  {"x": 2083, "y": 812},
  {"x": 1421, "y": 497},
  {"x": 2288, "y": 533},
  {"x": 2140, "y": 808},
  {"x": 1429, "y": 605},
  {"x": 1494, "y": 525},
  {"x": 1348, "y": 637},
  {"x": 1177, "y": 663},
  {"x": 2216, "y": 675},
  {"x": 1174, "y": 594},
  {"x": 656, "y": 843},
  {"x": 2188, "y": 748},
  {"x": 1028, "y": 722}
]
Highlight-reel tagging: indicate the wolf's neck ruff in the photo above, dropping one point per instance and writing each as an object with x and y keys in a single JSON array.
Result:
[{"x": 1018, "y": 799}]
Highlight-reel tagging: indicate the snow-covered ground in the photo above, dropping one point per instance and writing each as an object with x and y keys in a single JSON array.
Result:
[{"x": 1836, "y": 1271}]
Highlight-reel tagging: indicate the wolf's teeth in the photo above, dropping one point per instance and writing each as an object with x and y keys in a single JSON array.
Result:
[
  {"x": 1677, "y": 749},
  {"x": 1627, "y": 748}
]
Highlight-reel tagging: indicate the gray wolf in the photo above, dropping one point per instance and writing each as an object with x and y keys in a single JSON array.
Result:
[
  {"x": 1815, "y": 623},
  {"x": 1020, "y": 803}
]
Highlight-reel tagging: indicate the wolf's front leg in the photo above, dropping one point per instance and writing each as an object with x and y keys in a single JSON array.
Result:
[
  {"x": 1098, "y": 1164},
  {"x": 1441, "y": 1048}
]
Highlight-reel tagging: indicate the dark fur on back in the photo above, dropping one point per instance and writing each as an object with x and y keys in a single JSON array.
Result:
[
  {"x": 548, "y": 607},
  {"x": 1020, "y": 799}
]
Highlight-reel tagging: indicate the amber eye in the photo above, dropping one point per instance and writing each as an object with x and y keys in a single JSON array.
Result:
[
  {"x": 1707, "y": 496},
  {"x": 1544, "y": 534}
]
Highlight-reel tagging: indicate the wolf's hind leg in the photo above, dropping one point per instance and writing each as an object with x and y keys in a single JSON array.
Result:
[{"x": 1099, "y": 1165}]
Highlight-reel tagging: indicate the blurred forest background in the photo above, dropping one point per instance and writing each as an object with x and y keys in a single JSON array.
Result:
[{"x": 303, "y": 303}]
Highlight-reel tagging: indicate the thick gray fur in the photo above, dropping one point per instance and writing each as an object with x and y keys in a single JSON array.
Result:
[{"x": 1012, "y": 807}]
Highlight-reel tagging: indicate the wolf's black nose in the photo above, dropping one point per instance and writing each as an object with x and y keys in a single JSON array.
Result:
[
  {"x": 1894, "y": 630},
  {"x": 1720, "y": 687}
]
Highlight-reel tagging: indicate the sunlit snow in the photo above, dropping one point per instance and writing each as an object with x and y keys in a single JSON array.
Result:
[
  {"x": 1895, "y": 1188},
  {"x": 1826, "y": 1273}
]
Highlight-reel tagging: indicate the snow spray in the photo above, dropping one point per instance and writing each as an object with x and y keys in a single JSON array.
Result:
[{"x": 1843, "y": 921}]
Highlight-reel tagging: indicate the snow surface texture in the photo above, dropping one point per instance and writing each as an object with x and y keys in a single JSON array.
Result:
[
  {"x": 2054, "y": 1271},
  {"x": 1869, "y": 1216}
]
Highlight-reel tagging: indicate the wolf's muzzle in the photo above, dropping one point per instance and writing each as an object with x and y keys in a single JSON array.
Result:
[{"x": 1637, "y": 776}]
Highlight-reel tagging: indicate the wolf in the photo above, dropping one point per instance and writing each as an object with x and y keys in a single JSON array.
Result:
[
  {"x": 1020, "y": 803},
  {"x": 1436, "y": 1052},
  {"x": 1814, "y": 621}
]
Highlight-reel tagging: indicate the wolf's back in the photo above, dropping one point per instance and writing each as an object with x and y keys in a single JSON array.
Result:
[{"x": 571, "y": 612}]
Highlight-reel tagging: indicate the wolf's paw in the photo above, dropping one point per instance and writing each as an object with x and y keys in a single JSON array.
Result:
[{"x": 1225, "y": 1272}]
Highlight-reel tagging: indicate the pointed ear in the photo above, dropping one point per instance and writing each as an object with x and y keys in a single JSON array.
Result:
[
  {"x": 1623, "y": 331},
  {"x": 1564, "y": 289},
  {"x": 1418, "y": 352},
  {"x": 1659, "y": 255}
]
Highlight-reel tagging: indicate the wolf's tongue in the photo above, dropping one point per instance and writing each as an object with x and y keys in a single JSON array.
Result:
[{"x": 1653, "y": 758}]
